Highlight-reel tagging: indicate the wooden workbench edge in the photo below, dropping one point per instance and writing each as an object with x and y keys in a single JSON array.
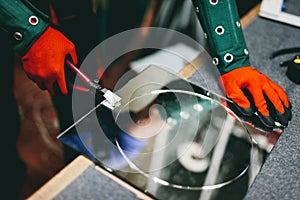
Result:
[
  {"x": 61, "y": 180},
  {"x": 250, "y": 16},
  {"x": 138, "y": 193}
]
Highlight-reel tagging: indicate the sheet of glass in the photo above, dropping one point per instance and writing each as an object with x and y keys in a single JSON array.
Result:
[{"x": 172, "y": 139}]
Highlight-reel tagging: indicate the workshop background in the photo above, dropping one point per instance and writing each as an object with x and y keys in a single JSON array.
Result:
[{"x": 37, "y": 144}]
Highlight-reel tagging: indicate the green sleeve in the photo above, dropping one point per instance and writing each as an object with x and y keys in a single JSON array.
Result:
[
  {"x": 221, "y": 24},
  {"x": 22, "y": 22}
]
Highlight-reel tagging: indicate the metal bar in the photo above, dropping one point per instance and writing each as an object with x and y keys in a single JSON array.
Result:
[{"x": 219, "y": 150}]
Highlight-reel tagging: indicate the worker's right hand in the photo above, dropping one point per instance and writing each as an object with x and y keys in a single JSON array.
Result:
[
  {"x": 253, "y": 92},
  {"x": 44, "y": 62}
]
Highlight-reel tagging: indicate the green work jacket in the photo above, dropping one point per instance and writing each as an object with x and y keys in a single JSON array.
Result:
[{"x": 23, "y": 23}]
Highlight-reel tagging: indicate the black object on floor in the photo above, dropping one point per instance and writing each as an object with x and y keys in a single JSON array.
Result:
[
  {"x": 293, "y": 65},
  {"x": 293, "y": 69}
]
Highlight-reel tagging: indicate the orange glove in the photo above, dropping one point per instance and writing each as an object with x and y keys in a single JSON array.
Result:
[
  {"x": 44, "y": 62},
  {"x": 254, "y": 93}
]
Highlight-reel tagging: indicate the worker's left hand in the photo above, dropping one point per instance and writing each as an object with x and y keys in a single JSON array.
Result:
[
  {"x": 45, "y": 61},
  {"x": 253, "y": 93}
]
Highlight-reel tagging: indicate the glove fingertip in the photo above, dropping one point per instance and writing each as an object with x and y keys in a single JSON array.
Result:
[
  {"x": 283, "y": 118},
  {"x": 74, "y": 57},
  {"x": 267, "y": 121},
  {"x": 63, "y": 87},
  {"x": 288, "y": 111},
  {"x": 64, "y": 90}
]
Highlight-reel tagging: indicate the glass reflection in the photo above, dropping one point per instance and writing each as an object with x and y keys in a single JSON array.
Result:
[{"x": 175, "y": 142}]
